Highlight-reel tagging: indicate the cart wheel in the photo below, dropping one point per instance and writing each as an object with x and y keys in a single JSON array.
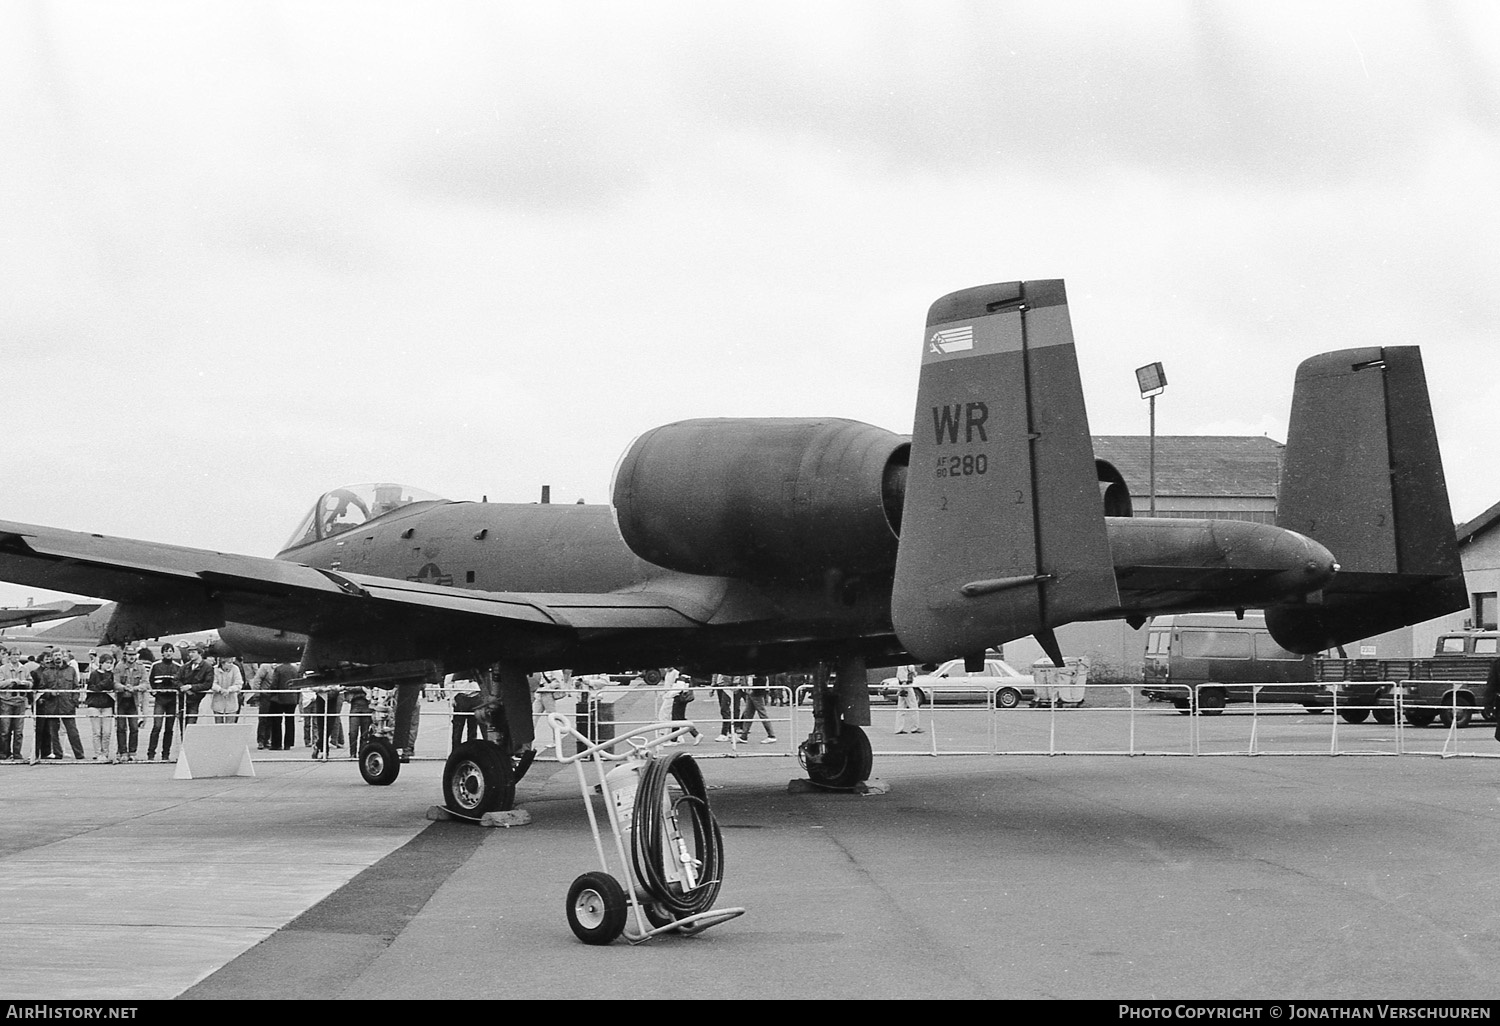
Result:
[
  {"x": 596, "y": 908},
  {"x": 478, "y": 778},
  {"x": 378, "y": 762}
]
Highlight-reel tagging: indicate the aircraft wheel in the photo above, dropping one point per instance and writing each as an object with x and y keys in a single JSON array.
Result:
[
  {"x": 846, "y": 763},
  {"x": 479, "y": 778},
  {"x": 1007, "y": 698},
  {"x": 1354, "y": 715},
  {"x": 596, "y": 908},
  {"x": 378, "y": 762},
  {"x": 521, "y": 764}
]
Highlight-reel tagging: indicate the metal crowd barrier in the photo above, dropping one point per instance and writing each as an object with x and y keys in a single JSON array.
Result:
[{"x": 1113, "y": 720}]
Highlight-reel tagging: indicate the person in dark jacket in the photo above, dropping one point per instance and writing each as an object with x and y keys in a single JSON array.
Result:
[
  {"x": 281, "y": 699},
  {"x": 57, "y": 689},
  {"x": 164, "y": 692},
  {"x": 100, "y": 701},
  {"x": 195, "y": 680}
]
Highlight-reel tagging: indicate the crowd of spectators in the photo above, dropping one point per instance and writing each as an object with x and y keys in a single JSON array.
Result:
[
  {"x": 127, "y": 694},
  {"x": 133, "y": 693}
]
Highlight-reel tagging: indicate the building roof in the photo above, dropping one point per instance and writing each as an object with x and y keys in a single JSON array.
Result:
[
  {"x": 1226, "y": 465},
  {"x": 1480, "y": 524}
]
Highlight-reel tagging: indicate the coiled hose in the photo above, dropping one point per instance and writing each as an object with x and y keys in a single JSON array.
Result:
[{"x": 695, "y": 822}]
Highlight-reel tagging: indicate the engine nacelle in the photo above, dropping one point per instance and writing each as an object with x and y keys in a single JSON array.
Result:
[
  {"x": 1113, "y": 490},
  {"x": 770, "y": 498}
]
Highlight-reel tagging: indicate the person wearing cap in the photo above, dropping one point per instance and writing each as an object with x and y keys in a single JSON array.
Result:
[
  {"x": 164, "y": 706},
  {"x": 195, "y": 680},
  {"x": 132, "y": 691},
  {"x": 15, "y": 695}
]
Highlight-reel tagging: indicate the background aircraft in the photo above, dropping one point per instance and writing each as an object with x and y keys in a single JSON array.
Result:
[
  {"x": 88, "y": 624},
  {"x": 22, "y": 617},
  {"x": 771, "y": 544}
]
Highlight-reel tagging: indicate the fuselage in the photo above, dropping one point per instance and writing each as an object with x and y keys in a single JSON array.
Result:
[{"x": 1161, "y": 565}]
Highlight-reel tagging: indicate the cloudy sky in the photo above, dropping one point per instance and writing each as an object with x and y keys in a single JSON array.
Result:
[{"x": 256, "y": 250}]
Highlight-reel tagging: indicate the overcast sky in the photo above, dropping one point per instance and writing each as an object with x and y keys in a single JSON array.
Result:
[{"x": 253, "y": 251}]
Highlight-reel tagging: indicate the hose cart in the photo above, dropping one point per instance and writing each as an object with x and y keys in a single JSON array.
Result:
[{"x": 667, "y": 843}]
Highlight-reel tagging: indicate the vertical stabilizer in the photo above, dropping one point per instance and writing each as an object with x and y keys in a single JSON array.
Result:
[
  {"x": 1364, "y": 477},
  {"x": 1002, "y": 533}
]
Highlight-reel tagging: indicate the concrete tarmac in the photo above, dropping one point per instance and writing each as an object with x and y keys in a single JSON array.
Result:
[{"x": 975, "y": 876}]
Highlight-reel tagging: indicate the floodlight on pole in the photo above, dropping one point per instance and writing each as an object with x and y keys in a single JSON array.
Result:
[{"x": 1152, "y": 380}]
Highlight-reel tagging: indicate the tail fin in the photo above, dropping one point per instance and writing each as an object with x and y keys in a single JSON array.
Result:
[
  {"x": 1363, "y": 476},
  {"x": 1002, "y": 533}
]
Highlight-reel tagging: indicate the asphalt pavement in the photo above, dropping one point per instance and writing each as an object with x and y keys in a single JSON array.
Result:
[{"x": 1079, "y": 876}]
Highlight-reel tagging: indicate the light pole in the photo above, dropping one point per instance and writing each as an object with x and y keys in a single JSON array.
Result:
[{"x": 1153, "y": 382}]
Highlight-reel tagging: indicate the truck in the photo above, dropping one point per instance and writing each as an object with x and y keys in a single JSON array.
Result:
[{"x": 1447, "y": 687}]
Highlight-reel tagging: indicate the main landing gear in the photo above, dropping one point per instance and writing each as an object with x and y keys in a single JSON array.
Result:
[
  {"x": 481, "y": 776},
  {"x": 837, "y": 753}
]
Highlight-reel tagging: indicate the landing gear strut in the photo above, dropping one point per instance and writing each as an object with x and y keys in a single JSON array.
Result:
[{"x": 837, "y": 753}]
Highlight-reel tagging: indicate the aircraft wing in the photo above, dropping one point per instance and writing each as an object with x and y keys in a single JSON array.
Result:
[
  {"x": 167, "y": 589},
  {"x": 27, "y": 615}
]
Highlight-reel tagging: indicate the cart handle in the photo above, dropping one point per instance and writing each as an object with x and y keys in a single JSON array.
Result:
[{"x": 601, "y": 749}]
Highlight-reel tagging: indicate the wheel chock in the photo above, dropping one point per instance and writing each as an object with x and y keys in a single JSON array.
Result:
[
  {"x": 509, "y": 818},
  {"x": 801, "y": 785}
]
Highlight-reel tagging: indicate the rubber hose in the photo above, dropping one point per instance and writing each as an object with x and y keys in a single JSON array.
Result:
[{"x": 697, "y": 825}]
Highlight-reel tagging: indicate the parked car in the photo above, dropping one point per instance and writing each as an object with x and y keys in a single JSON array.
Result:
[{"x": 950, "y": 682}]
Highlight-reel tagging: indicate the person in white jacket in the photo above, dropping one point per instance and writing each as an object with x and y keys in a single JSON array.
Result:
[
  {"x": 908, "y": 714},
  {"x": 225, "y": 692}
]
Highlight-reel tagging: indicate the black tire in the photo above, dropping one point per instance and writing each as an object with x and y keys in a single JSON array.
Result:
[
  {"x": 1354, "y": 715},
  {"x": 521, "y": 763},
  {"x": 1007, "y": 698},
  {"x": 1420, "y": 717},
  {"x": 1456, "y": 718},
  {"x": 1385, "y": 716},
  {"x": 919, "y": 696},
  {"x": 1210, "y": 702},
  {"x": 1182, "y": 706},
  {"x": 378, "y": 762},
  {"x": 596, "y": 907},
  {"x": 478, "y": 778},
  {"x": 1316, "y": 710},
  {"x": 846, "y": 763}
]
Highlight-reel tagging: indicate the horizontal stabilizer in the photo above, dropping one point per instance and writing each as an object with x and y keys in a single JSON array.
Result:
[
  {"x": 1002, "y": 532},
  {"x": 1364, "y": 477}
]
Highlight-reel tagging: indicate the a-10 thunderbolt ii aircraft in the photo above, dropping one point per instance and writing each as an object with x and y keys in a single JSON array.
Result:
[{"x": 760, "y": 545}]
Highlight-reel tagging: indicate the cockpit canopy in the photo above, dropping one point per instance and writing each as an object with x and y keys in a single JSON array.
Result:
[{"x": 346, "y": 508}]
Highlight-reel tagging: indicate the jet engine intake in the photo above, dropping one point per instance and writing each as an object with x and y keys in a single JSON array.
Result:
[{"x": 769, "y": 498}]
